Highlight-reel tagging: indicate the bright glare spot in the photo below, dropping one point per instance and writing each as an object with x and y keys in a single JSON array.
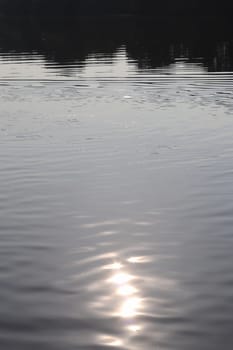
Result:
[
  {"x": 130, "y": 307},
  {"x": 121, "y": 278},
  {"x": 110, "y": 341},
  {"x": 135, "y": 259},
  {"x": 134, "y": 328},
  {"x": 126, "y": 290},
  {"x": 115, "y": 343},
  {"x": 114, "y": 266},
  {"x": 139, "y": 259}
]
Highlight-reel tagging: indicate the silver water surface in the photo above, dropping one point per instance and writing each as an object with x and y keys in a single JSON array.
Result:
[{"x": 115, "y": 205}]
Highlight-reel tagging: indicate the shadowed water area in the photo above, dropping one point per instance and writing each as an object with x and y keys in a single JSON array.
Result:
[{"x": 116, "y": 209}]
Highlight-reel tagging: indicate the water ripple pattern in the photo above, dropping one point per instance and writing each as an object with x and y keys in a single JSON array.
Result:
[{"x": 115, "y": 206}]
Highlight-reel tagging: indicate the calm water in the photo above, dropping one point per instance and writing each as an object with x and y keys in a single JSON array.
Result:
[{"x": 116, "y": 208}]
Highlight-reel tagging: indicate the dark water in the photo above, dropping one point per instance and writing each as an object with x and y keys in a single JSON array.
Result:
[{"x": 116, "y": 208}]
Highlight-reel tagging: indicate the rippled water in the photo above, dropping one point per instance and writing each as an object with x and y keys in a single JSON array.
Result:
[{"x": 116, "y": 193}]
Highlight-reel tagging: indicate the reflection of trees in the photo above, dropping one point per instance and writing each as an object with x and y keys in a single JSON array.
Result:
[
  {"x": 150, "y": 43},
  {"x": 159, "y": 42}
]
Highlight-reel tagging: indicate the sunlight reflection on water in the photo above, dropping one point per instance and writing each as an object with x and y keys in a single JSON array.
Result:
[{"x": 130, "y": 300}]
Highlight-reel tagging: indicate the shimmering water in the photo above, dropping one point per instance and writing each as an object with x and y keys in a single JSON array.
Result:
[{"x": 116, "y": 209}]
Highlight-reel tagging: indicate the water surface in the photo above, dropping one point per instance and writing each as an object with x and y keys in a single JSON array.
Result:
[{"x": 116, "y": 186}]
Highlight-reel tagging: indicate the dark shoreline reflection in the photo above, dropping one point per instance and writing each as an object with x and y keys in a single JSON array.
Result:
[{"x": 150, "y": 43}]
